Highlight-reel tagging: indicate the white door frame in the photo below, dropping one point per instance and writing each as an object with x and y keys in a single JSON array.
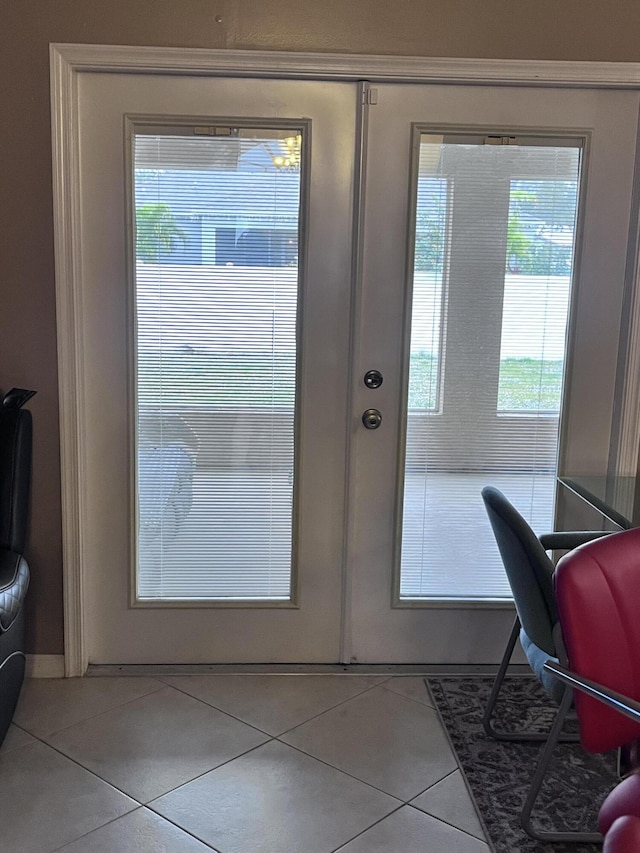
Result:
[{"x": 70, "y": 60}]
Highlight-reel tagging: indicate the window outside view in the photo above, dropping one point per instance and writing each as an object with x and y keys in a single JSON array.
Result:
[
  {"x": 216, "y": 301},
  {"x": 539, "y": 256},
  {"x": 216, "y": 304},
  {"x": 536, "y": 299},
  {"x": 493, "y": 256}
]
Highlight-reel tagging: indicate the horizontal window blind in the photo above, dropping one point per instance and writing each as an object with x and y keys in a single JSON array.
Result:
[
  {"x": 427, "y": 315},
  {"x": 498, "y": 215},
  {"x": 217, "y": 227}
]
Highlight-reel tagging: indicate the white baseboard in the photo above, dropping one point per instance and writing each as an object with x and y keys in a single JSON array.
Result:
[{"x": 45, "y": 666}]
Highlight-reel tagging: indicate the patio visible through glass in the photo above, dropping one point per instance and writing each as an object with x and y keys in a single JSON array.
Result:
[
  {"x": 495, "y": 226},
  {"x": 216, "y": 292}
]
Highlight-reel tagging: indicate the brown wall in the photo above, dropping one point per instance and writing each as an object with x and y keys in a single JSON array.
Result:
[{"x": 521, "y": 29}]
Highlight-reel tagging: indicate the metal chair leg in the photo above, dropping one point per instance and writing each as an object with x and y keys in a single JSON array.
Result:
[
  {"x": 490, "y": 731},
  {"x": 497, "y": 684},
  {"x": 536, "y": 784}
]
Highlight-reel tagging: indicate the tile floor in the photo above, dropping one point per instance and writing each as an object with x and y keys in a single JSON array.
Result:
[{"x": 234, "y": 764}]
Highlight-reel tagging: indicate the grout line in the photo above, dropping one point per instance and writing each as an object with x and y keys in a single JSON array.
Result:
[
  {"x": 448, "y": 823},
  {"x": 332, "y": 708},
  {"x": 344, "y": 772},
  {"x": 366, "y": 829},
  {"x": 182, "y": 828},
  {"x": 7, "y": 751},
  {"x": 95, "y": 716},
  {"x": 297, "y": 725},
  {"x": 220, "y": 711},
  {"x": 140, "y": 802},
  {"x": 433, "y": 784},
  {"x": 413, "y": 699},
  {"x": 95, "y": 829},
  {"x": 148, "y": 805},
  {"x": 126, "y": 814},
  {"x": 270, "y": 737},
  {"x": 91, "y": 772},
  {"x": 40, "y": 739}
]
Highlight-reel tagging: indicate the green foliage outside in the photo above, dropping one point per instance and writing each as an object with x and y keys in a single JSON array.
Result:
[
  {"x": 530, "y": 383},
  {"x": 429, "y": 250},
  {"x": 423, "y": 381},
  {"x": 157, "y": 232},
  {"x": 525, "y": 384},
  {"x": 193, "y": 378},
  {"x": 533, "y": 206},
  {"x": 528, "y": 254},
  {"x": 519, "y": 246},
  {"x": 247, "y": 379}
]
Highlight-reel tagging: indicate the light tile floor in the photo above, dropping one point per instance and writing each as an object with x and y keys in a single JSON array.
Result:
[{"x": 233, "y": 764}]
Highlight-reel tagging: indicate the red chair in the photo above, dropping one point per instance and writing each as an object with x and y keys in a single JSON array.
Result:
[
  {"x": 597, "y": 590},
  {"x": 530, "y": 574},
  {"x": 619, "y": 817},
  {"x": 624, "y": 836}
]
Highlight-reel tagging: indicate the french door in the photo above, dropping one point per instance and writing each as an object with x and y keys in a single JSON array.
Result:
[
  {"x": 251, "y": 249},
  {"x": 216, "y": 390},
  {"x": 485, "y": 154}
]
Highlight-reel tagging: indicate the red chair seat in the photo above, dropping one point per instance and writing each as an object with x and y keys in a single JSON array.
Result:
[
  {"x": 623, "y": 800},
  {"x": 624, "y": 836}
]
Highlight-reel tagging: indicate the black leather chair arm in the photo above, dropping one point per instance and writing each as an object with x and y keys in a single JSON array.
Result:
[
  {"x": 566, "y": 541},
  {"x": 14, "y": 582},
  {"x": 15, "y": 473}
]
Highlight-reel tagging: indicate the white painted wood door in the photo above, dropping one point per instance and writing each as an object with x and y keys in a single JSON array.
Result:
[
  {"x": 386, "y": 625},
  {"x": 303, "y": 624}
]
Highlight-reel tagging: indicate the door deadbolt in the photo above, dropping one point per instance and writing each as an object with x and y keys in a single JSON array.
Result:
[
  {"x": 372, "y": 418},
  {"x": 373, "y": 379}
]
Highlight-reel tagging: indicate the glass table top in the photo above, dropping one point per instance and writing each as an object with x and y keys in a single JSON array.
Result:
[{"x": 617, "y": 498}]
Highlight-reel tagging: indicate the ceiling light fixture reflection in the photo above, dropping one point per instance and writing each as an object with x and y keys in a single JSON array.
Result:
[{"x": 288, "y": 156}]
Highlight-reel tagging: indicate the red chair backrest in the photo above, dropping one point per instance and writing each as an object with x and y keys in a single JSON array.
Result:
[{"x": 598, "y": 595}]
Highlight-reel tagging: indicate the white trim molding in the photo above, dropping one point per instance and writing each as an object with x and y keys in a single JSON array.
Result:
[
  {"x": 45, "y": 666},
  {"x": 68, "y": 295},
  {"x": 70, "y": 60},
  {"x": 339, "y": 66}
]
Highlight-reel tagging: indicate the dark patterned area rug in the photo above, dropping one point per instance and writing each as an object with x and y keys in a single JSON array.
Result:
[{"x": 498, "y": 773}]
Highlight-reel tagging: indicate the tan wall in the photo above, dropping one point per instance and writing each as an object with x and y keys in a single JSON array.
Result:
[{"x": 544, "y": 29}]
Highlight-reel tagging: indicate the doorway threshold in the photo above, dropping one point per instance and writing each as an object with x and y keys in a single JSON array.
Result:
[{"x": 102, "y": 670}]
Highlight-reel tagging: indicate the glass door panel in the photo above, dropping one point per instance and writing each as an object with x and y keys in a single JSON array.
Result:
[
  {"x": 502, "y": 232},
  {"x": 217, "y": 221}
]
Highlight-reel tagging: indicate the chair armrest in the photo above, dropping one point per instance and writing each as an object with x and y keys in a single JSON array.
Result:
[
  {"x": 565, "y": 541},
  {"x": 629, "y": 707}
]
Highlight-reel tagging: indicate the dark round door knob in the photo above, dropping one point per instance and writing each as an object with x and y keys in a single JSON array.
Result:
[
  {"x": 372, "y": 418},
  {"x": 373, "y": 379}
]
